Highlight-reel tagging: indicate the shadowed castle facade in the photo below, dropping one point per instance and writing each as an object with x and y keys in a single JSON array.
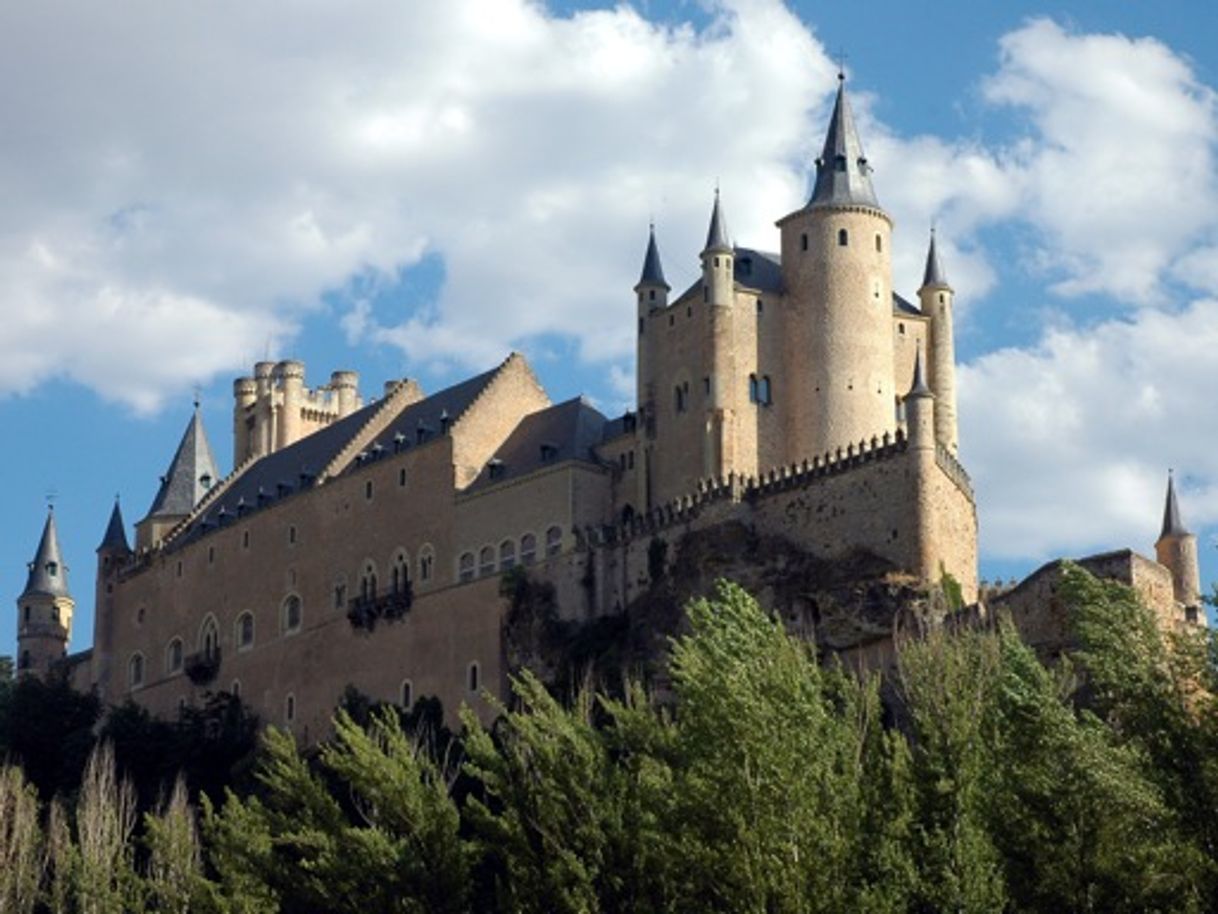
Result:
[{"x": 795, "y": 394}]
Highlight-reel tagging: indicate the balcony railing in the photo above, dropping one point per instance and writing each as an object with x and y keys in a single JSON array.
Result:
[
  {"x": 363, "y": 612},
  {"x": 201, "y": 667}
]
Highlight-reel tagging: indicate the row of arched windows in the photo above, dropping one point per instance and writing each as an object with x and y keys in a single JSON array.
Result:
[
  {"x": 489, "y": 560},
  {"x": 291, "y": 617}
]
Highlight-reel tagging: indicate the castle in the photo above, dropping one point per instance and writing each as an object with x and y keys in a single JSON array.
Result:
[{"x": 794, "y": 393}]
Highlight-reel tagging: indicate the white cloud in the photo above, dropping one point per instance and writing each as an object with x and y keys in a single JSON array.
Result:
[
  {"x": 246, "y": 161},
  {"x": 1069, "y": 442}
]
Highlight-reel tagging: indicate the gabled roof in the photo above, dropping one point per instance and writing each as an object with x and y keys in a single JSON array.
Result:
[
  {"x": 48, "y": 573},
  {"x": 293, "y": 468},
  {"x": 653, "y": 270},
  {"x": 905, "y": 306},
  {"x": 191, "y": 473},
  {"x": 934, "y": 274},
  {"x": 1172, "y": 524},
  {"x": 566, "y": 431},
  {"x": 115, "y": 539},
  {"x": 716, "y": 235},
  {"x": 843, "y": 176}
]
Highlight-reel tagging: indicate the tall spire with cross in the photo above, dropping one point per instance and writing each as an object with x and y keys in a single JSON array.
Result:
[{"x": 843, "y": 175}]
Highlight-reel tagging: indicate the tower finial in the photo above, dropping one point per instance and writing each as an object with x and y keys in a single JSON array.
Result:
[
  {"x": 653, "y": 270},
  {"x": 1172, "y": 523},
  {"x": 934, "y": 274}
]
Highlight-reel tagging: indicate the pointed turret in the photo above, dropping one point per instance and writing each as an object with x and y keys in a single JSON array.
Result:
[
  {"x": 192, "y": 472},
  {"x": 918, "y": 388},
  {"x": 843, "y": 175},
  {"x": 936, "y": 297},
  {"x": 115, "y": 538},
  {"x": 44, "y": 620},
  {"x": 48, "y": 574},
  {"x": 934, "y": 276},
  {"x": 1176, "y": 551},
  {"x": 716, "y": 235},
  {"x": 1172, "y": 525},
  {"x": 653, "y": 270}
]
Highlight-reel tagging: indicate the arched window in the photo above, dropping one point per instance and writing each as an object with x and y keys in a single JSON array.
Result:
[
  {"x": 507, "y": 554},
  {"x": 803, "y": 241},
  {"x": 554, "y": 540},
  {"x": 879, "y": 243},
  {"x": 407, "y": 694},
  {"x": 473, "y": 677},
  {"x": 27, "y": 615},
  {"x": 486, "y": 561},
  {"x": 209, "y": 637},
  {"x": 289, "y": 708},
  {"x": 400, "y": 573},
  {"x": 528, "y": 549},
  {"x": 426, "y": 560},
  {"x": 173, "y": 656},
  {"x": 764, "y": 392},
  {"x": 367, "y": 582},
  {"x": 465, "y": 568},
  {"x": 843, "y": 237},
  {"x": 293, "y": 614},
  {"x": 679, "y": 399},
  {"x": 135, "y": 670},
  {"x": 245, "y": 631},
  {"x": 754, "y": 389}
]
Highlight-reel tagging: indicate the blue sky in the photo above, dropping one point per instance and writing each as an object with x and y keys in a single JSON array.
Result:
[{"x": 411, "y": 189}]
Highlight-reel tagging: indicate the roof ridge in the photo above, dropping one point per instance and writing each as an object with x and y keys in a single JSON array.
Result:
[
  {"x": 390, "y": 407},
  {"x": 205, "y": 502}
]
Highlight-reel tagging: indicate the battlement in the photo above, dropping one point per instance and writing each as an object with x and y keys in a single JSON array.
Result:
[{"x": 954, "y": 470}]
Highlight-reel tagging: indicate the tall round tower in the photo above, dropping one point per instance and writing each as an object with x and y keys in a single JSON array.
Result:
[
  {"x": 837, "y": 270},
  {"x": 112, "y": 554},
  {"x": 44, "y": 609},
  {"x": 651, "y": 292},
  {"x": 1176, "y": 550},
  {"x": 936, "y": 296},
  {"x": 719, "y": 353}
]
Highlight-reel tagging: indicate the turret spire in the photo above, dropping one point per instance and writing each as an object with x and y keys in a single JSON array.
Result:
[
  {"x": 115, "y": 539},
  {"x": 48, "y": 573},
  {"x": 716, "y": 236},
  {"x": 934, "y": 274},
  {"x": 843, "y": 175},
  {"x": 191, "y": 474},
  {"x": 918, "y": 388},
  {"x": 653, "y": 271},
  {"x": 1172, "y": 524}
]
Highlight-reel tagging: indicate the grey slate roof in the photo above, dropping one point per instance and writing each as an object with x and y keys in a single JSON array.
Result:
[
  {"x": 293, "y": 468},
  {"x": 566, "y": 431},
  {"x": 918, "y": 388},
  {"x": 934, "y": 274},
  {"x": 758, "y": 270},
  {"x": 843, "y": 176},
  {"x": 716, "y": 235},
  {"x": 192, "y": 472},
  {"x": 48, "y": 573},
  {"x": 1172, "y": 524},
  {"x": 115, "y": 539},
  {"x": 905, "y": 306},
  {"x": 653, "y": 271}
]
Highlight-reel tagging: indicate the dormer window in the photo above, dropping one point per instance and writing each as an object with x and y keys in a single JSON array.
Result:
[
  {"x": 549, "y": 453},
  {"x": 52, "y": 568},
  {"x": 444, "y": 421},
  {"x": 839, "y": 163},
  {"x": 495, "y": 468},
  {"x": 205, "y": 480}
]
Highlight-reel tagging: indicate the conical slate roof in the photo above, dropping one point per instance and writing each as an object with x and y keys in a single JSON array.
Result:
[
  {"x": 1172, "y": 525},
  {"x": 191, "y": 474},
  {"x": 918, "y": 388},
  {"x": 48, "y": 573},
  {"x": 934, "y": 274},
  {"x": 653, "y": 271},
  {"x": 115, "y": 539},
  {"x": 716, "y": 236},
  {"x": 843, "y": 177}
]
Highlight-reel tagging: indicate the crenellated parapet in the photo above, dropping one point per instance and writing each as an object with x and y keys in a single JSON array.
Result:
[{"x": 955, "y": 471}]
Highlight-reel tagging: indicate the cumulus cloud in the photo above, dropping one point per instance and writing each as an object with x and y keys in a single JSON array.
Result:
[
  {"x": 211, "y": 170},
  {"x": 1070, "y": 441}
]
